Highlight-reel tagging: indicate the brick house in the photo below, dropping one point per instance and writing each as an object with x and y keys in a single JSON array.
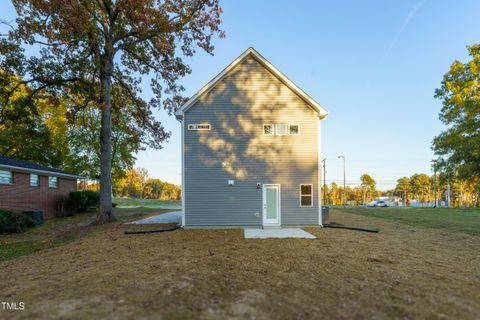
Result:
[{"x": 28, "y": 186}]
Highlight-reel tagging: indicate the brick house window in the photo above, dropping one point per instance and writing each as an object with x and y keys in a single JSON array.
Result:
[
  {"x": 53, "y": 182},
  {"x": 6, "y": 177},
  {"x": 34, "y": 180}
]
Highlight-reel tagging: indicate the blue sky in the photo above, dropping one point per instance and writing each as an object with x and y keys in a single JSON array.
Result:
[{"x": 374, "y": 65}]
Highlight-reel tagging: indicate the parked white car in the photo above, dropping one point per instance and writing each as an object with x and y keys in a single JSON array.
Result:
[{"x": 378, "y": 203}]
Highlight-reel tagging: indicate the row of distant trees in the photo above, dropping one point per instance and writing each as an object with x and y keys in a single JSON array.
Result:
[
  {"x": 137, "y": 183},
  {"x": 362, "y": 194},
  {"x": 460, "y": 192},
  {"x": 419, "y": 187}
]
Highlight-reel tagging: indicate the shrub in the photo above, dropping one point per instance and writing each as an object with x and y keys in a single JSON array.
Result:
[
  {"x": 14, "y": 222},
  {"x": 82, "y": 201},
  {"x": 93, "y": 200}
]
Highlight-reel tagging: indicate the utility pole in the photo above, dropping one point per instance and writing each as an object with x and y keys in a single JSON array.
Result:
[
  {"x": 434, "y": 165},
  {"x": 344, "y": 183},
  {"x": 325, "y": 200}
]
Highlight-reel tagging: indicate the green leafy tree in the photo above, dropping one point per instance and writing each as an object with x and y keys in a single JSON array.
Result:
[
  {"x": 44, "y": 132},
  {"x": 403, "y": 187},
  {"x": 368, "y": 186},
  {"x": 90, "y": 47},
  {"x": 458, "y": 145},
  {"x": 26, "y": 131},
  {"x": 84, "y": 141},
  {"x": 333, "y": 194},
  {"x": 421, "y": 187},
  {"x": 356, "y": 195},
  {"x": 137, "y": 184}
]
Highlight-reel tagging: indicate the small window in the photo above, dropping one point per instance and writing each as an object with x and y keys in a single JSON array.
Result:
[
  {"x": 293, "y": 129},
  {"x": 34, "y": 180},
  {"x": 53, "y": 182},
  {"x": 280, "y": 129},
  {"x": 268, "y": 129},
  {"x": 306, "y": 195},
  {"x": 199, "y": 126},
  {"x": 6, "y": 177}
]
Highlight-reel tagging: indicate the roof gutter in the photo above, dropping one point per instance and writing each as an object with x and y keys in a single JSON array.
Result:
[{"x": 42, "y": 172}]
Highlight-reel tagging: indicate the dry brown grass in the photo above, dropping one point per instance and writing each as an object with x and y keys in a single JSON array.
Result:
[{"x": 402, "y": 272}]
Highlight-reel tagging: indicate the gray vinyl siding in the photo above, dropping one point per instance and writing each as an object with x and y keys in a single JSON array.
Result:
[{"x": 236, "y": 149}]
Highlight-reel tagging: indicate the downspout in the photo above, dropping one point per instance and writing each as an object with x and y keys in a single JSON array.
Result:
[{"x": 319, "y": 175}]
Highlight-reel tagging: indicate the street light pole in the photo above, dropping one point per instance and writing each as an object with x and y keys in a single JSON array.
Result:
[
  {"x": 324, "y": 161},
  {"x": 344, "y": 183}
]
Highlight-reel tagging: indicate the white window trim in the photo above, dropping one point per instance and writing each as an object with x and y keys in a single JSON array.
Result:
[
  {"x": 273, "y": 129},
  {"x": 305, "y": 195},
  {"x": 11, "y": 178},
  {"x": 195, "y": 126},
  {"x": 49, "y": 186},
  {"x": 38, "y": 180},
  {"x": 293, "y": 124},
  {"x": 286, "y": 129}
]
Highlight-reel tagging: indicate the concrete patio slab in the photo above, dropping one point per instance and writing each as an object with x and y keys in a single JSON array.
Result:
[
  {"x": 277, "y": 233},
  {"x": 169, "y": 217}
]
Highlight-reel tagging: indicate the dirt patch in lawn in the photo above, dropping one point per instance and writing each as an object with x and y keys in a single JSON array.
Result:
[{"x": 401, "y": 272}]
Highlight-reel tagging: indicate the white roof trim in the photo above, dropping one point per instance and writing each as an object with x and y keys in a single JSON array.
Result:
[
  {"x": 322, "y": 113},
  {"x": 40, "y": 172}
]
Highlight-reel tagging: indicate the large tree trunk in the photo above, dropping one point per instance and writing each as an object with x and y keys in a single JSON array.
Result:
[{"x": 105, "y": 214}]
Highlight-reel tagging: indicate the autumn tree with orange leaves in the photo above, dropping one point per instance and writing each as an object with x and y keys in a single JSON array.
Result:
[{"x": 87, "y": 47}]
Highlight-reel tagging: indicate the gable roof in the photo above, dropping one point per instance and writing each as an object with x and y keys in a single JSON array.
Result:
[
  {"x": 7, "y": 163},
  {"x": 322, "y": 113}
]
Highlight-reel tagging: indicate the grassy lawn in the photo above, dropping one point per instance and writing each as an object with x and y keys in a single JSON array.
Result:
[
  {"x": 58, "y": 232},
  {"x": 456, "y": 220},
  {"x": 146, "y": 202},
  {"x": 403, "y": 272}
]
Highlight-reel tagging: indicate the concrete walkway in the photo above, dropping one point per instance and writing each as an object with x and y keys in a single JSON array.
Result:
[
  {"x": 277, "y": 233},
  {"x": 169, "y": 217}
]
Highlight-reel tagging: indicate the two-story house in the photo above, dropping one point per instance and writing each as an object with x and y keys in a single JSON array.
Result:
[{"x": 251, "y": 149}]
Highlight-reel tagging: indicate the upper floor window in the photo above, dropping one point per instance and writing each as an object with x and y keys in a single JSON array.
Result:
[
  {"x": 34, "y": 180},
  {"x": 53, "y": 182},
  {"x": 306, "y": 195},
  {"x": 280, "y": 129},
  {"x": 293, "y": 129},
  {"x": 6, "y": 177},
  {"x": 199, "y": 126},
  {"x": 268, "y": 129}
]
